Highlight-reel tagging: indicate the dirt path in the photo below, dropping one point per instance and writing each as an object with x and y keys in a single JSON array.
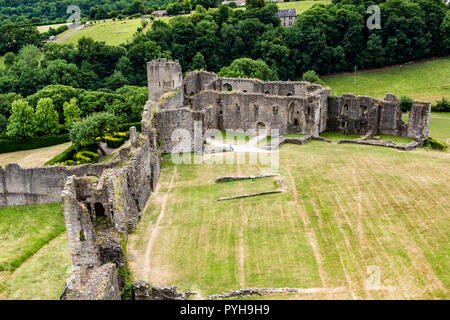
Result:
[
  {"x": 154, "y": 229},
  {"x": 359, "y": 228},
  {"x": 309, "y": 233},
  {"x": 67, "y": 35}
]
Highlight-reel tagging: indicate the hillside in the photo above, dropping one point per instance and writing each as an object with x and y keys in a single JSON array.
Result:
[
  {"x": 301, "y": 6},
  {"x": 427, "y": 80},
  {"x": 109, "y": 31}
]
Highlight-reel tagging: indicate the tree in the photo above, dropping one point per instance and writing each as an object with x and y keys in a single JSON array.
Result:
[
  {"x": 5, "y": 103},
  {"x": 255, "y": 4},
  {"x": 3, "y": 125},
  {"x": 61, "y": 72},
  {"x": 131, "y": 105},
  {"x": 46, "y": 117},
  {"x": 250, "y": 68},
  {"x": 115, "y": 81},
  {"x": 136, "y": 7},
  {"x": 311, "y": 76},
  {"x": 85, "y": 132},
  {"x": 13, "y": 37},
  {"x": 72, "y": 113},
  {"x": 10, "y": 59},
  {"x": 21, "y": 123},
  {"x": 198, "y": 62}
]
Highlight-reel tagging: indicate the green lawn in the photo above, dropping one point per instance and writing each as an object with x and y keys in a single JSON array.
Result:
[
  {"x": 347, "y": 207},
  {"x": 34, "y": 254},
  {"x": 111, "y": 32},
  {"x": 301, "y": 6},
  {"x": 424, "y": 80},
  {"x": 440, "y": 126},
  {"x": 25, "y": 229},
  {"x": 45, "y": 28},
  {"x": 44, "y": 275}
]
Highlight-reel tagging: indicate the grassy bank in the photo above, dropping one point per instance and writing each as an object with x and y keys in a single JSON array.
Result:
[{"x": 423, "y": 80}]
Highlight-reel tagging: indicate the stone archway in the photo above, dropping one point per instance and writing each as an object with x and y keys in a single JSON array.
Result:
[{"x": 261, "y": 128}]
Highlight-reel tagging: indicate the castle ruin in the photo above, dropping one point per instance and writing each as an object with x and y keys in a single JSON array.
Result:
[{"x": 103, "y": 203}]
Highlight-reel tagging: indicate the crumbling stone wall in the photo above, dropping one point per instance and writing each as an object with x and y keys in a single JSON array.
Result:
[
  {"x": 163, "y": 75},
  {"x": 289, "y": 107},
  {"x": 239, "y": 104},
  {"x": 19, "y": 186},
  {"x": 363, "y": 115},
  {"x": 99, "y": 215}
]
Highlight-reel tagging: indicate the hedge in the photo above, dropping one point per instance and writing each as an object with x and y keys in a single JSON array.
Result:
[
  {"x": 12, "y": 145},
  {"x": 62, "y": 157},
  {"x": 114, "y": 142},
  {"x": 126, "y": 126},
  {"x": 66, "y": 158}
]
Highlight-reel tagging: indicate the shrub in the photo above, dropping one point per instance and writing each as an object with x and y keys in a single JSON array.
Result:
[
  {"x": 127, "y": 126},
  {"x": 113, "y": 142},
  {"x": 406, "y": 104},
  {"x": 66, "y": 155},
  {"x": 442, "y": 106},
  {"x": 312, "y": 76},
  {"x": 434, "y": 144},
  {"x": 19, "y": 144},
  {"x": 86, "y": 157}
]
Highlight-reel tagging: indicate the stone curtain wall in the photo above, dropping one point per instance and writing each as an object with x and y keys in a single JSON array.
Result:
[
  {"x": 19, "y": 186},
  {"x": 100, "y": 215}
]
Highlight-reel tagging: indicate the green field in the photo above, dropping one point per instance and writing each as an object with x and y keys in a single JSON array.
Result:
[
  {"x": 111, "y": 32},
  {"x": 423, "y": 80},
  {"x": 34, "y": 255},
  {"x": 301, "y": 6},
  {"x": 347, "y": 207},
  {"x": 45, "y": 28}
]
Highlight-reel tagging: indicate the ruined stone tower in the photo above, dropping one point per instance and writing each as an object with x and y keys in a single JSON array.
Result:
[{"x": 163, "y": 76}]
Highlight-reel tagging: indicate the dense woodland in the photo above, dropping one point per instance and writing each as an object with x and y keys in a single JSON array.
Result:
[
  {"x": 325, "y": 39},
  {"x": 54, "y": 11}
]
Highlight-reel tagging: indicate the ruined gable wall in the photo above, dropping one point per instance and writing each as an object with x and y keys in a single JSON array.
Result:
[
  {"x": 419, "y": 119},
  {"x": 19, "y": 186},
  {"x": 244, "y": 110},
  {"x": 99, "y": 215},
  {"x": 197, "y": 81},
  {"x": 351, "y": 114}
]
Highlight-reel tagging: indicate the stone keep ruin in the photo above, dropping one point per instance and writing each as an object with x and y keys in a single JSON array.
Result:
[{"x": 103, "y": 203}]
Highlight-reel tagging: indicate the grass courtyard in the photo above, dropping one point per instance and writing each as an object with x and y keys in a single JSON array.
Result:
[{"x": 348, "y": 210}]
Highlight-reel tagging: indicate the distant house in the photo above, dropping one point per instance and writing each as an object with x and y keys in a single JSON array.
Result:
[
  {"x": 159, "y": 13},
  {"x": 287, "y": 16},
  {"x": 239, "y": 3}
]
